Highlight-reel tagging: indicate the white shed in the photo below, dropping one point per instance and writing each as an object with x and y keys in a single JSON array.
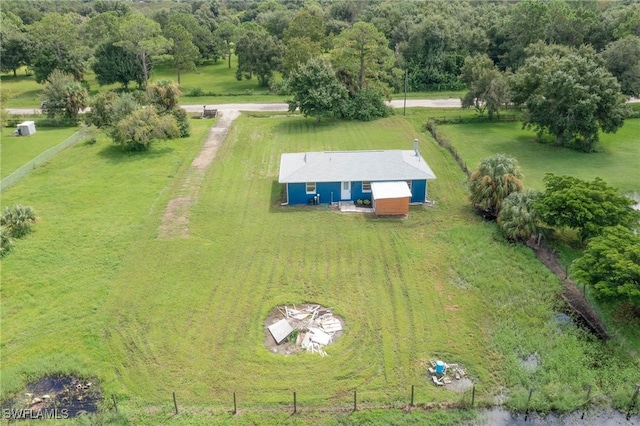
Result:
[
  {"x": 390, "y": 198},
  {"x": 26, "y": 128}
]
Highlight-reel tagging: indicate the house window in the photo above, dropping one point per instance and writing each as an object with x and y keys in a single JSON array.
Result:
[
  {"x": 366, "y": 186},
  {"x": 311, "y": 187}
]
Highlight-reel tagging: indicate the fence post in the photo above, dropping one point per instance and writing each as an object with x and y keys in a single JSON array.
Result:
[
  {"x": 235, "y": 407},
  {"x": 115, "y": 405},
  {"x": 473, "y": 395},
  {"x": 526, "y": 413},
  {"x": 586, "y": 402},
  {"x": 355, "y": 400},
  {"x": 175, "y": 403},
  {"x": 412, "y": 386},
  {"x": 295, "y": 403},
  {"x": 632, "y": 404}
]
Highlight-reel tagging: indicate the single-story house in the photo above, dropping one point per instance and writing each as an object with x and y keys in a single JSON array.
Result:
[{"x": 327, "y": 177}]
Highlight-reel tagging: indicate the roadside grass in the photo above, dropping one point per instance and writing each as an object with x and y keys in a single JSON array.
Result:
[
  {"x": 210, "y": 77},
  {"x": 616, "y": 160},
  {"x": 93, "y": 290},
  {"x": 16, "y": 151}
]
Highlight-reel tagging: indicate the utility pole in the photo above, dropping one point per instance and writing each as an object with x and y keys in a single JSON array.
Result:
[{"x": 406, "y": 79}]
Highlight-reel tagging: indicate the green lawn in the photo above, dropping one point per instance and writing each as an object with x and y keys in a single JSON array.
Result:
[
  {"x": 210, "y": 77},
  {"x": 16, "y": 151},
  {"x": 94, "y": 291},
  {"x": 616, "y": 160}
]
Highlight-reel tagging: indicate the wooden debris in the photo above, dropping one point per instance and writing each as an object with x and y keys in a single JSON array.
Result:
[{"x": 316, "y": 325}]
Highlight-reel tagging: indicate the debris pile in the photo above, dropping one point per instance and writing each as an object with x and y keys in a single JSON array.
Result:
[
  {"x": 442, "y": 373},
  {"x": 310, "y": 327}
]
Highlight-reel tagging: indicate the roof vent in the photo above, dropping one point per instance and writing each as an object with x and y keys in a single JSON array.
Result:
[{"x": 415, "y": 146}]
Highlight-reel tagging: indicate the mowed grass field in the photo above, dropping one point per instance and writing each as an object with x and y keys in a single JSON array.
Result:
[
  {"x": 616, "y": 160},
  {"x": 93, "y": 291},
  {"x": 16, "y": 151}
]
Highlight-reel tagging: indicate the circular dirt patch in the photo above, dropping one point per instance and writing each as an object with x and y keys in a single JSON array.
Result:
[
  {"x": 297, "y": 328},
  {"x": 56, "y": 397}
]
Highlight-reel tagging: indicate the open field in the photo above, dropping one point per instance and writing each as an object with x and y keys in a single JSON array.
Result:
[
  {"x": 93, "y": 291},
  {"x": 616, "y": 160},
  {"x": 210, "y": 77},
  {"x": 16, "y": 151}
]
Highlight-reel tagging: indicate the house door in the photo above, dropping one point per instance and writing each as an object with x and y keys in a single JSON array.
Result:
[{"x": 345, "y": 193}]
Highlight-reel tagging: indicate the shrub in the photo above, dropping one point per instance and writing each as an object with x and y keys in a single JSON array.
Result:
[
  {"x": 366, "y": 105},
  {"x": 6, "y": 242},
  {"x": 195, "y": 92},
  {"x": 89, "y": 133},
  {"x": 18, "y": 220},
  {"x": 182, "y": 120}
]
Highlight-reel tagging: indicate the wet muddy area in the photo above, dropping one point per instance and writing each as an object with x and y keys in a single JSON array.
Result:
[{"x": 54, "y": 397}]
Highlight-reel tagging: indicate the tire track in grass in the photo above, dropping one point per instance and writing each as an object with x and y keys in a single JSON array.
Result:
[{"x": 175, "y": 221}]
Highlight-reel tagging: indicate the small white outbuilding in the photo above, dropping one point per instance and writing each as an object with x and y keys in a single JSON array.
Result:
[{"x": 26, "y": 128}]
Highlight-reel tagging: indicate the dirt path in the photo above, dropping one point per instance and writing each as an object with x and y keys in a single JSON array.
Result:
[{"x": 175, "y": 221}]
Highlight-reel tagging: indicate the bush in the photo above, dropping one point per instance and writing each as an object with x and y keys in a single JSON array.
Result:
[
  {"x": 366, "y": 105},
  {"x": 182, "y": 119},
  {"x": 18, "y": 220},
  {"x": 89, "y": 133},
  {"x": 195, "y": 92},
  {"x": 279, "y": 87},
  {"x": 6, "y": 242}
]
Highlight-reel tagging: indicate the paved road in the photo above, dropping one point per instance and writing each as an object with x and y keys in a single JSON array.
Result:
[{"x": 428, "y": 103}]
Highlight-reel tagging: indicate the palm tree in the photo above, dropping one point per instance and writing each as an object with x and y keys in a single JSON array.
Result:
[
  {"x": 18, "y": 220},
  {"x": 518, "y": 220},
  {"x": 495, "y": 179}
]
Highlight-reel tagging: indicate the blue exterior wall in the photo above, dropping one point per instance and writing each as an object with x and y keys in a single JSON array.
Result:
[
  {"x": 330, "y": 191},
  {"x": 418, "y": 191}
]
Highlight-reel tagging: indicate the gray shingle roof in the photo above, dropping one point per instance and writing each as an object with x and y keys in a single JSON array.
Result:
[{"x": 342, "y": 166}]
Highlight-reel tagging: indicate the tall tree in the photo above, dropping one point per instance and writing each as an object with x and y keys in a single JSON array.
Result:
[
  {"x": 114, "y": 64},
  {"x": 622, "y": 58},
  {"x": 317, "y": 92},
  {"x": 588, "y": 207},
  {"x": 258, "y": 53},
  {"x": 226, "y": 32},
  {"x": 362, "y": 54},
  {"x": 494, "y": 180},
  {"x": 142, "y": 37},
  {"x": 185, "y": 53},
  {"x": 488, "y": 87},
  {"x": 307, "y": 23},
  {"x": 59, "y": 45},
  {"x": 298, "y": 52},
  {"x": 16, "y": 46},
  {"x": 611, "y": 265},
  {"x": 571, "y": 96},
  {"x": 200, "y": 35}
]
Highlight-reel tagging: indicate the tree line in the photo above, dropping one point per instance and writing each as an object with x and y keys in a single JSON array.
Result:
[{"x": 566, "y": 62}]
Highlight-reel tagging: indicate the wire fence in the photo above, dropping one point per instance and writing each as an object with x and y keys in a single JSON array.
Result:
[{"x": 41, "y": 159}]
